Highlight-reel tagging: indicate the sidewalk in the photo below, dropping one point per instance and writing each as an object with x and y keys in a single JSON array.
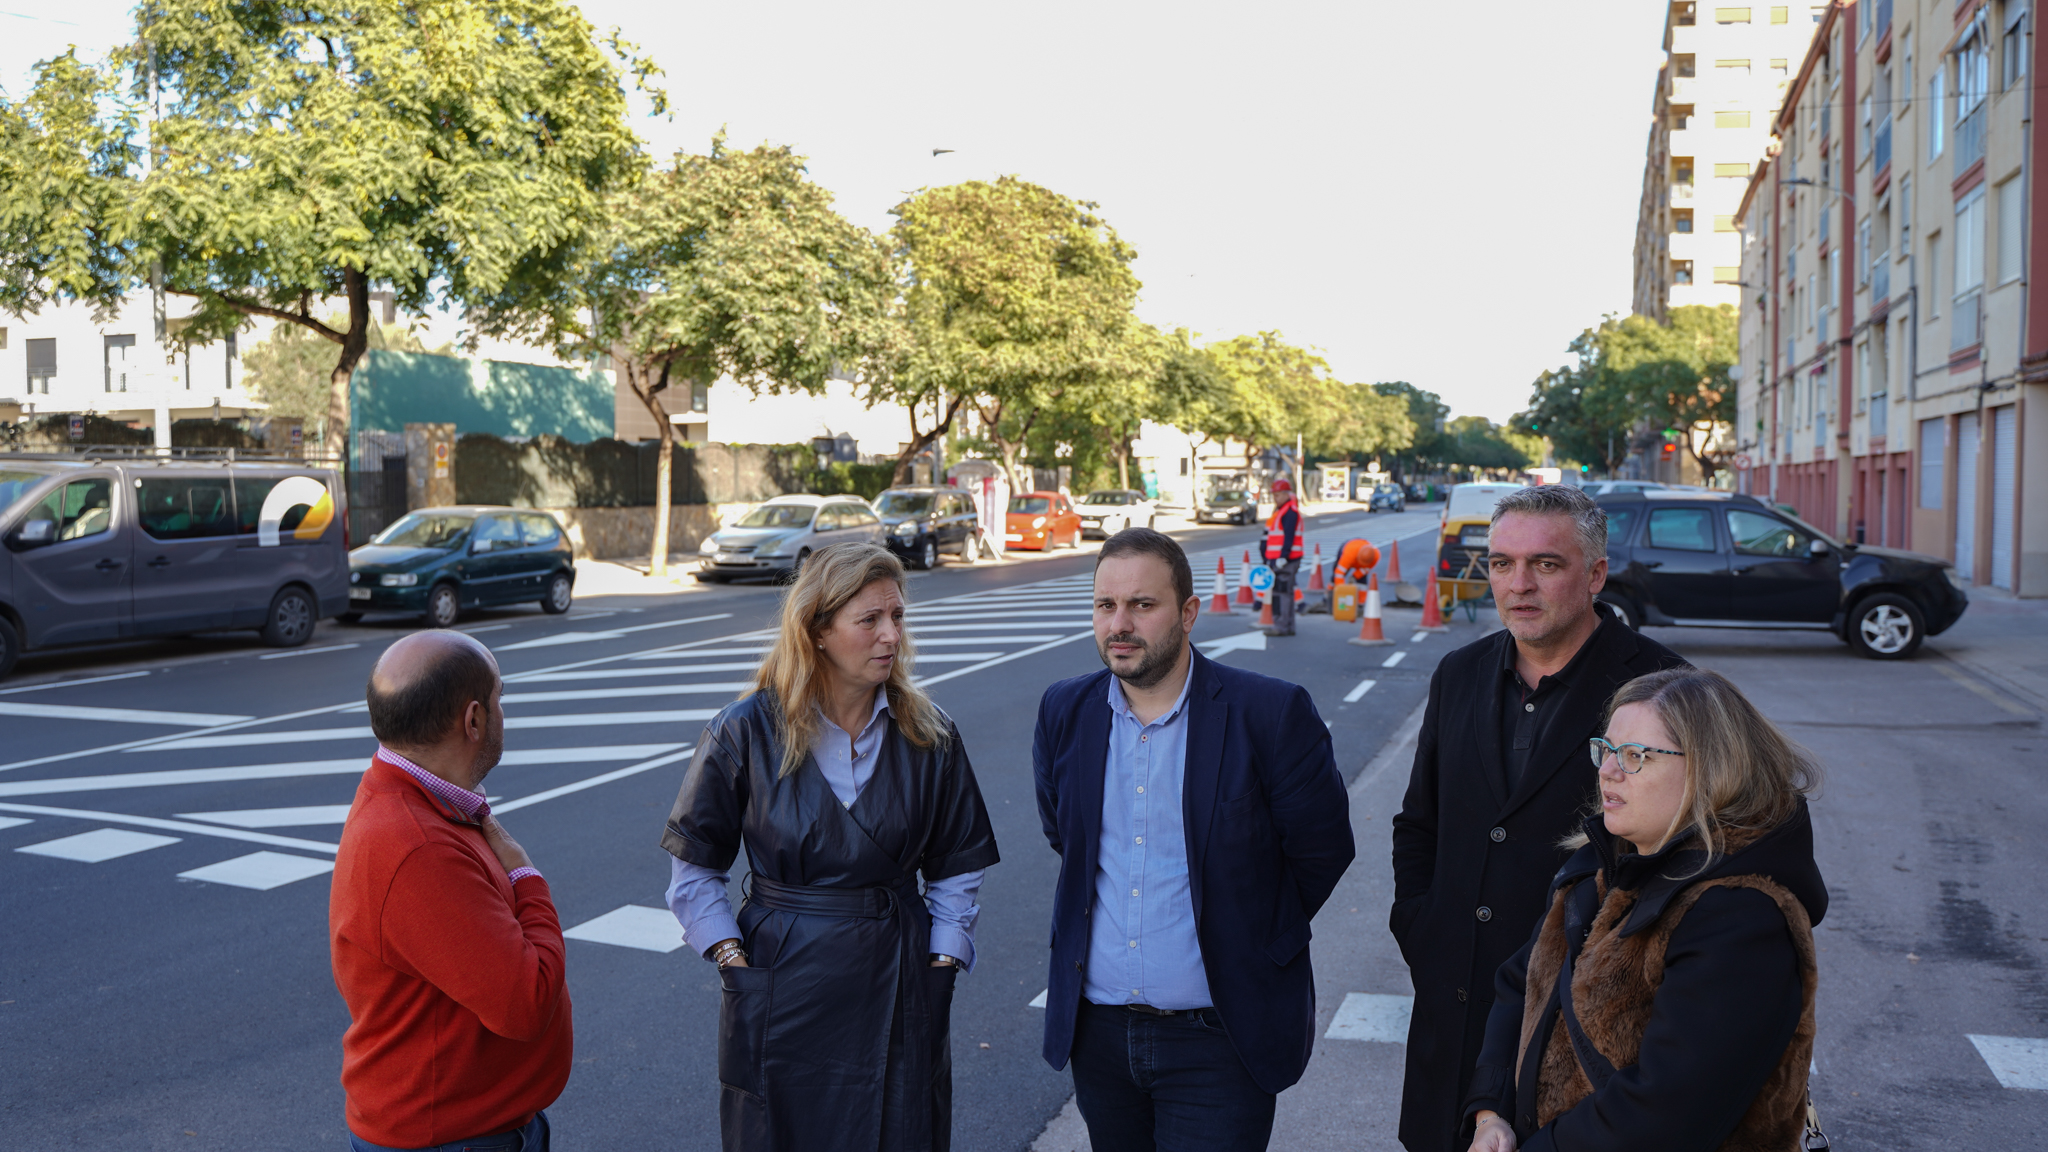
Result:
[{"x": 2002, "y": 640}]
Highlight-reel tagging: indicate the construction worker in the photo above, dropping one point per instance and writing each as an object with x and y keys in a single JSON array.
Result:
[
  {"x": 1282, "y": 552},
  {"x": 1354, "y": 561}
]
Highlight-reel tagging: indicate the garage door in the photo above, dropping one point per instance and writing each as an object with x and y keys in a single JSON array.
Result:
[
  {"x": 2004, "y": 430},
  {"x": 1966, "y": 496}
]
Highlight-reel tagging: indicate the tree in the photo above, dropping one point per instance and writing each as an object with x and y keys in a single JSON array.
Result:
[
  {"x": 1015, "y": 297},
  {"x": 1476, "y": 442},
  {"x": 450, "y": 149},
  {"x": 728, "y": 265},
  {"x": 1677, "y": 375},
  {"x": 1426, "y": 416},
  {"x": 1584, "y": 408},
  {"x": 290, "y": 370}
]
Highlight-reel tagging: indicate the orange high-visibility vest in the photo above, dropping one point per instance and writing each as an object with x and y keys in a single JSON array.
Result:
[
  {"x": 1274, "y": 534},
  {"x": 1357, "y": 558}
]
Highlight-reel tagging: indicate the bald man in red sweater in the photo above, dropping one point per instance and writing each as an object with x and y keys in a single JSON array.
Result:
[{"x": 445, "y": 942}]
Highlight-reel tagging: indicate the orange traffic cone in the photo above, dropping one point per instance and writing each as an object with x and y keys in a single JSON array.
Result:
[
  {"x": 1370, "y": 632},
  {"x": 1220, "y": 605},
  {"x": 1432, "y": 608},
  {"x": 1315, "y": 580},
  {"x": 1394, "y": 562},
  {"x": 1266, "y": 610},
  {"x": 1244, "y": 580}
]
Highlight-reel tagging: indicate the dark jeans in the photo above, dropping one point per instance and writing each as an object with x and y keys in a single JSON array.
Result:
[
  {"x": 1170, "y": 1083},
  {"x": 531, "y": 1138},
  {"x": 1284, "y": 574}
]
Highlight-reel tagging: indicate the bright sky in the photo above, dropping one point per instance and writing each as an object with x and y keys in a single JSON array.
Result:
[{"x": 1444, "y": 194}]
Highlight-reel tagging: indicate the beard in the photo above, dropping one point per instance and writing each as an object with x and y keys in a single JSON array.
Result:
[
  {"x": 1153, "y": 663},
  {"x": 488, "y": 756}
]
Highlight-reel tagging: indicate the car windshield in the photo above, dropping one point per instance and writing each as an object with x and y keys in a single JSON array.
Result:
[
  {"x": 426, "y": 530},
  {"x": 15, "y": 483},
  {"x": 1108, "y": 498},
  {"x": 1231, "y": 496},
  {"x": 904, "y": 503},
  {"x": 778, "y": 516},
  {"x": 1035, "y": 505},
  {"x": 1388, "y": 490}
]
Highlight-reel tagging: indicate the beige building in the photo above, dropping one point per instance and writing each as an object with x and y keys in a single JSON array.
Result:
[
  {"x": 1894, "y": 368},
  {"x": 1724, "y": 74}
]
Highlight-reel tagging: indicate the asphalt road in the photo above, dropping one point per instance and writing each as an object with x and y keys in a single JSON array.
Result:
[{"x": 168, "y": 815}]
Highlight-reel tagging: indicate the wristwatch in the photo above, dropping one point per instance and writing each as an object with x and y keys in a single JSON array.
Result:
[{"x": 950, "y": 961}]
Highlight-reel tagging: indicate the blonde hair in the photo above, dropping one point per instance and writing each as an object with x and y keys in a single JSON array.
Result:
[
  {"x": 1741, "y": 774},
  {"x": 794, "y": 675}
]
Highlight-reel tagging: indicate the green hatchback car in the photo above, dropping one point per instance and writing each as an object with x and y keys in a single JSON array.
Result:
[{"x": 439, "y": 561}]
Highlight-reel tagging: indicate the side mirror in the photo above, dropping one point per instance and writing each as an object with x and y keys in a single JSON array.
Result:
[
  {"x": 34, "y": 534},
  {"x": 1817, "y": 547}
]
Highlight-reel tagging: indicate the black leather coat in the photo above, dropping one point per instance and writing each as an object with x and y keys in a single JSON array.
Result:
[{"x": 837, "y": 1037}]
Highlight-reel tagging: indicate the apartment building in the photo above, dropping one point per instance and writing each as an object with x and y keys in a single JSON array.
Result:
[
  {"x": 1894, "y": 373},
  {"x": 1724, "y": 74},
  {"x": 68, "y": 358}
]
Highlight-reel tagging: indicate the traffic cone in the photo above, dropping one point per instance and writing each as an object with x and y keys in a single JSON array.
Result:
[
  {"x": 1370, "y": 632},
  {"x": 1266, "y": 612},
  {"x": 1432, "y": 608},
  {"x": 1394, "y": 562},
  {"x": 1244, "y": 580},
  {"x": 1315, "y": 580},
  {"x": 1220, "y": 606}
]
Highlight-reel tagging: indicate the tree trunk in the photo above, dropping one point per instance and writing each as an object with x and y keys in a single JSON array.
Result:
[
  {"x": 649, "y": 393},
  {"x": 356, "y": 341},
  {"x": 919, "y": 441},
  {"x": 1708, "y": 467},
  {"x": 1123, "y": 464}
]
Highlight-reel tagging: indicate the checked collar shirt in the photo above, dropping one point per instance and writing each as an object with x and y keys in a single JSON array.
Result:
[{"x": 471, "y": 806}]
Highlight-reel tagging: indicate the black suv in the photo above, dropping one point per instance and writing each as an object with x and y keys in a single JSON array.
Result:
[
  {"x": 921, "y": 523},
  {"x": 1722, "y": 560}
]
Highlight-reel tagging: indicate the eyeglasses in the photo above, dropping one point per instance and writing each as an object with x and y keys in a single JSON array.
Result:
[{"x": 1631, "y": 756}]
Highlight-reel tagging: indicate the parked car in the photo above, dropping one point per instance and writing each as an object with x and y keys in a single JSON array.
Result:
[
  {"x": 1611, "y": 487},
  {"x": 1721, "y": 560},
  {"x": 99, "y": 549},
  {"x": 926, "y": 522},
  {"x": 439, "y": 561},
  {"x": 1041, "y": 522},
  {"x": 1111, "y": 510},
  {"x": 1388, "y": 497},
  {"x": 1231, "y": 505},
  {"x": 775, "y": 538}
]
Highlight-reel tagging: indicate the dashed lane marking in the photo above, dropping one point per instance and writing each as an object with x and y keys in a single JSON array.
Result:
[
  {"x": 99, "y": 844},
  {"x": 308, "y": 651},
  {"x": 1418, "y": 638},
  {"x": 2017, "y": 1061},
  {"x": 72, "y": 683},
  {"x": 261, "y": 871},
  {"x": 1358, "y": 693},
  {"x": 633, "y": 926},
  {"x": 118, "y": 715},
  {"x": 1372, "y": 1017},
  {"x": 1394, "y": 659}
]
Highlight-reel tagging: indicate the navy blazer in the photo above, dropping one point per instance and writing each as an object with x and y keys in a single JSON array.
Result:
[{"x": 1269, "y": 833}]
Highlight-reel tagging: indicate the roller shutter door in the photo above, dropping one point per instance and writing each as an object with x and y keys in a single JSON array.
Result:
[
  {"x": 1966, "y": 496},
  {"x": 2004, "y": 446}
]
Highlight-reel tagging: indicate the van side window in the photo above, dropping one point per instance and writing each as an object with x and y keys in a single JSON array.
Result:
[
  {"x": 250, "y": 492},
  {"x": 185, "y": 507},
  {"x": 1682, "y": 529},
  {"x": 79, "y": 509}
]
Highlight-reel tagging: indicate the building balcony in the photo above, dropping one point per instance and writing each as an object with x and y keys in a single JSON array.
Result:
[
  {"x": 1881, "y": 147},
  {"x": 1969, "y": 141},
  {"x": 1880, "y": 279},
  {"x": 1966, "y": 323}
]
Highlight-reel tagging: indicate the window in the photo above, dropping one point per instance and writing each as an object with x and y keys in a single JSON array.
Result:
[
  {"x": 1683, "y": 15},
  {"x": 1780, "y": 67},
  {"x": 1862, "y": 373},
  {"x": 1756, "y": 534},
  {"x": 1724, "y": 224},
  {"x": 1682, "y": 65},
  {"x": 538, "y": 528},
  {"x": 1619, "y": 522},
  {"x": 1681, "y": 220},
  {"x": 1863, "y": 253},
  {"x": 1969, "y": 244},
  {"x": 42, "y": 364},
  {"x": 1731, "y": 67},
  {"x": 185, "y": 507},
  {"x": 117, "y": 350},
  {"x": 1905, "y": 199},
  {"x": 1731, "y": 15},
  {"x": 700, "y": 396},
  {"x": 1731, "y": 119},
  {"x": 2011, "y": 206},
  {"x": 1681, "y": 117},
  {"x": 1812, "y": 307},
  {"x": 1973, "y": 71},
  {"x": 1727, "y": 274},
  {"x": 1682, "y": 529},
  {"x": 1934, "y": 276},
  {"x": 1781, "y": 15},
  {"x": 1739, "y": 170},
  {"x": 495, "y": 534},
  {"x": 2012, "y": 52},
  {"x": 1937, "y": 112},
  {"x": 1681, "y": 271},
  {"x": 79, "y": 509},
  {"x": 251, "y": 491},
  {"x": 1933, "y": 445}
]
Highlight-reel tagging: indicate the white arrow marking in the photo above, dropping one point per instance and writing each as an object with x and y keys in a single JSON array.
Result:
[{"x": 1254, "y": 641}]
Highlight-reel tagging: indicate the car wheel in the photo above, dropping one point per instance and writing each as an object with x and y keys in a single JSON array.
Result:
[
  {"x": 443, "y": 606},
  {"x": 10, "y": 646},
  {"x": 350, "y": 617},
  {"x": 1624, "y": 608},
  {"x": 561, "y": 592},
  {"x": 928, "y": 556},
  {"x": 291, "y": 619},
  {"x": 1886, "y": 626}
]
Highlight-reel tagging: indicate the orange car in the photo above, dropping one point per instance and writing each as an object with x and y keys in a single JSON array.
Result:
[{"x": 1042, "y": 521}]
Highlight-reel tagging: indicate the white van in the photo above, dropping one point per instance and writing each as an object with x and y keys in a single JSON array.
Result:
[{"x": 97, "y": 548}]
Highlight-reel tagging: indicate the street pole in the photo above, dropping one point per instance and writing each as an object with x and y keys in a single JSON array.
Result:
[{"x": 157, "y": 380}]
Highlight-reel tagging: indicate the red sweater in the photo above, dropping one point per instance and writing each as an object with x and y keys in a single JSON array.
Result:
[{"x": 453, "y": 975}]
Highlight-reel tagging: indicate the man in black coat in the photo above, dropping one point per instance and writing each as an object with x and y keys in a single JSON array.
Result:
[{"x": 1501, "y": 774}]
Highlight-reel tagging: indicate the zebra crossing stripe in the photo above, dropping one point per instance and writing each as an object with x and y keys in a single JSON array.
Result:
[{"x": 1371, "y": 1017}]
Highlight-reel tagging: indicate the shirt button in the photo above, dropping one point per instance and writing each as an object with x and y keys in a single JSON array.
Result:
[
  {"x": 1461, "y": 995},
  {"x": 1484, "y": 913},
  {"x": 1134, "y": 943},
  {"x": 1528, "y": 707},
  {"x": 1498, "y": 834},
  {"x": 1142, "y": 739},
  {"x": 1141, "y": 839},
  {"x": 1141, "y": 789},
  {"x": 1134, "y": 891}
]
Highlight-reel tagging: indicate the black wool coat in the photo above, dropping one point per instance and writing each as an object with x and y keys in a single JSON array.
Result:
[{"x": 1473, "y": 864}]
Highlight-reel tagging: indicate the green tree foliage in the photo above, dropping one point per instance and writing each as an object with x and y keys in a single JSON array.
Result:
[
  {"x": 450, "y": 149},
  {"x": 289, "y": 370},
  {"x": 1476, "y": 442},
  {"x": 1584, "y": 409},
  {"x": 1018, "y": 301},
  {"x": 731, "y": 264},
  {"x": 1427, "y": 414}
]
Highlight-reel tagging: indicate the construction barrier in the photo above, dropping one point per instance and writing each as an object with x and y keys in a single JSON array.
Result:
[
  {"x": 1220, "y": 605},
  {"x": 1244, "y": 581},
  {"x": 1432, "y": 607}
]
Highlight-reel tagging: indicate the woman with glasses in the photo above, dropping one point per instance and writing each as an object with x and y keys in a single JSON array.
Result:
[
  {"x": 845, "y": 783},
  {"x": 1666, "y": 1000}
]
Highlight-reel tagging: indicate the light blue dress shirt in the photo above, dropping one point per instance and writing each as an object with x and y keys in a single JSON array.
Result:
[
  {"x": 1142, "y": 947},
  {"x": 696, "y": 894}
]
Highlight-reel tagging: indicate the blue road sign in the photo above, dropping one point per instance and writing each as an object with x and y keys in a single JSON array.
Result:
[{"x": 1262, "y": 578}]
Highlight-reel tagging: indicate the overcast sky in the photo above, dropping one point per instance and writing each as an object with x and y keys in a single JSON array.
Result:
[{"x": 1437, "y": 193}]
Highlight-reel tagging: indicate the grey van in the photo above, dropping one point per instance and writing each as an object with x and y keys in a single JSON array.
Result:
[{"x": 96, "y": 549}]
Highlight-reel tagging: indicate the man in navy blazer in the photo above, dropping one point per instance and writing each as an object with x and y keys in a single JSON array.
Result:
[{"x": 1201, "y": 822}]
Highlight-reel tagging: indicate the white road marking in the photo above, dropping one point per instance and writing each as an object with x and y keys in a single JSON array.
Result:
[
  {"x": 351, "y": 766},
  {"x": 1038, "y": 1001},
  {"x": 275, "y": 817},
  {"x": 953, "y": 657},
  {"x": 13, "y": 821},
  {"x": 99, "y": 844},
  {"x": 991, "y": 626},
  {"x": 945, "y": 676},
  {"x": 309, "y": 651},
  {"x": 621, "y": 673},
  {"x": 72, "y": 683},
  {"x": 649, "y": 929},
  {"x": 2017, "y": 1061},
  {"x": 1254, "y": 641},
  {"x": 171, "y": 825},
  {"x": 594, "y": 781},
  {"x": 123, "y": 746},
  {"x": 258, "y": 739},
  {"x": 1394, "y": 659},
  {"x": 484, "y": 628},
  {"x": 1358, "y": 693},
  {"x": 1418, "y": 638},
  {"x": 117, "y": 715},
  {"x": 609, "y": 633},
  {"x": 609, "y": 719},
  {"x": 1371, "y": 1017},
  {"x": 956, "y": 641},
  {"x": 729, "y": 688},
  {"x": 260, "y": 870}
]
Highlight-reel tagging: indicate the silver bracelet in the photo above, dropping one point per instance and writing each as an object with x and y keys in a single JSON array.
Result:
[{"x": 724, "y": 953}]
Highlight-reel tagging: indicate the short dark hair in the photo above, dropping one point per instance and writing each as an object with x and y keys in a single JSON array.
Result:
[
  {"x": 1149, "y": 542},
  {"x": 422, "y": 710}
]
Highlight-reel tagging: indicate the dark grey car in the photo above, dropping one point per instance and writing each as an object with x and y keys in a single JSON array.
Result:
[
  {"x": 924, "y": 522},
  {"x": 1228, "y": 505}
]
